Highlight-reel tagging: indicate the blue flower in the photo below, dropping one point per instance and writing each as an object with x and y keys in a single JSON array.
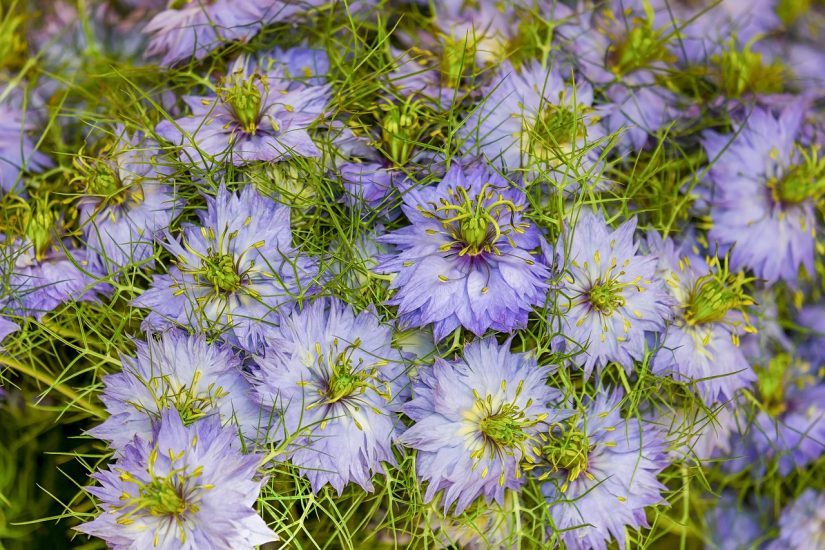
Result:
[
  {"x": 232, "y": 273},
  {"x": 610, "y": 296},
  {"x": 258, "y": 114},
  {"x": 764, "y": 190},
  {"x": 534, "y": 118},
  {"x": 182, "y": 372},
  {"x": 337, "y": 383},
  {"x": 701, "y": 345},
  {"x": 476, "y": 418},
  {"x": 802, "y": 523},
  {"x": 601, "y": 471},
  {"x": 42, "y": 267},
  {"x": 126, "y": 203},
  {"x": 188, "y": 488},
  {"x": 469, "y": 257}
]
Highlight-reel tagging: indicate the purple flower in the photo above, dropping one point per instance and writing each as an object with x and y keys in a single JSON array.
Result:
[
  {"x": 623, "y": 47},
  {"x": 257, "y": 115},
  {"x": 764, "y": 192},
  {"x": 42, "y": 267},
  {"x": 126, "y": 203},
  {"x": 188, "y": 488},
  {"x": 232, "y": 273},
  {"x": 180, "y": 372},
  {"x": 733, "y": 526},
  {"x": 610, "y": 296},
  {"x": 196, "y": 28},
  {"x": 790, "y": 423},
  {"x": 337, "y": 383},
  {"x": 533, "y": 116},
  {"x": 701, "y": 345},
  {"x": 469, "y": 256},
  {"x": 601, "y": 473},
  {"x": 17, "y": 146},
  {"x": 802, "y": 523},
  {"x": 705, "y": 25},
  {"x": 476, "y": 418}
]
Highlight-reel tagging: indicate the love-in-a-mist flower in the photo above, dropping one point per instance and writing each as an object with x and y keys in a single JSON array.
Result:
[
  {"x": 256, "y": 115},
  {"x": 701, "y": 345},
  {"x": 469, "y": 258},
  {"x": 609, "y": 296},
  {"x": 42, "y": 267},
  {"x": 191, "y": 29},
  {"x": 533, "y": 117},
  {"x": 802, "y": 523},
  {"x": 127, "y": 201},
  {"x": 232, "y": 273},
  {"x": 188, "y": 488},
  {"x": 790, "y": 423},
  {"x": 733, "y": 525},
  {"x": 765, "y": 189},
  {"x": 182, "y": 372},
  {"x": 476, "y": 418},
  {"x": 600, "y": 472},
  {"x": 337, "y": 383},
  {"x": 623, "y": 46}
]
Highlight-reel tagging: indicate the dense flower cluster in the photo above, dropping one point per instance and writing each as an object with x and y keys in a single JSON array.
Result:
[{"x": 475, "y": 274}]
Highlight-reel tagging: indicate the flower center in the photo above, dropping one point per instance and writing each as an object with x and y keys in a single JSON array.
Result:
[
  {"x": 190, "y": 404},
  {"x": 168, "y": 496},
  {"x": 41, "y": 226},
  {"x": 457, "y": 60},
  {"x": 606, "y": 297},
  {"x": 473, "y": 223},
  {"x": 559, "y": 125},
  {"x": 741, "y": 71},
  {"x": 219, "y": 270},
  {"x": 344, "y": 380},
  {"x": 772, "y": 380},
  {"x": 244, "y": 99},
  {"x": 803, "y": 181},
  {"x": 504, "y": 428},
  {"x": 402, "y": 126},
  {"x": 714, "y": 295},
  {"x": 637, "y": 48},
  {"x": 564, "y": 448}
]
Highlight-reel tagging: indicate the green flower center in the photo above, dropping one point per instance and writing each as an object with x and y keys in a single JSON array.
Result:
[
  {"x": 41, "y": 226},
  {"x": 220, "y": 272},
  {"x": 191, "y": 404},
  {"x": 505, "y": 428},
  {"x": 559, "y": 125},
  {"x": 638, "y": 48},
  {"x": 743, "y": 72},
  {"x": 457, "y": 60},
  {"x": 344, "y": 380},
  {"x": 606, "y": 297},
  {"x": 564, "y": 448},
  {"x": 801, "y": 182},
  {"x": 244, "y": 99},
  {"x": 714, "y": 295},
  {"x": 402, "y": 126},
  {"x": 473, "y": 222},
  {"x": 772, "y": 380},
  {"x": 168, "y": 496}
]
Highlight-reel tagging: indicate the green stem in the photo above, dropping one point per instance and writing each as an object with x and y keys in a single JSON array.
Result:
[{"x": 76, "y": 398}]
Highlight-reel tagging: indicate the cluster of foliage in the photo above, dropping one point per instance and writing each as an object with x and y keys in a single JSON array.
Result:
[{"x": 448, "y": 274}]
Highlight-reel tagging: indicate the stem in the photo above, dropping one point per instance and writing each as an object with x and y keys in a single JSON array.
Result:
[{"x": 76, "y": 398}]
